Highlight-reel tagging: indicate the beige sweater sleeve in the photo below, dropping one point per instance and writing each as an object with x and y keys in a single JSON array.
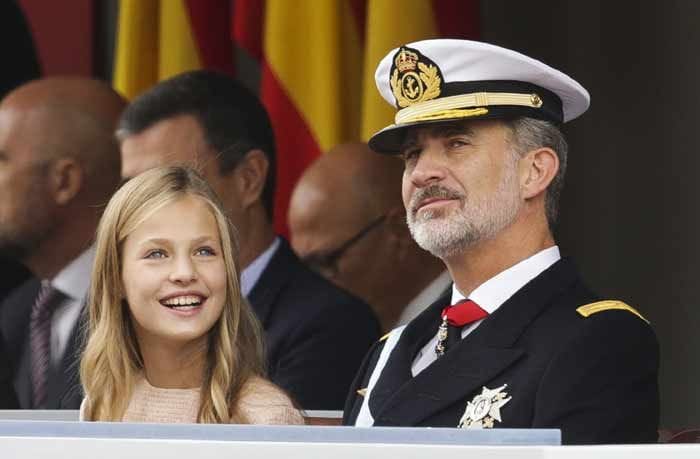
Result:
[{"x": 264, "y": 403}]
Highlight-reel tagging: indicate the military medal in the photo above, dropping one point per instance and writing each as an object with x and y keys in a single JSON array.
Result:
[
  {"x": 458, "y": 315},
  {"x": 442, "y": 336},
  {"x": 484, "y": 409}
]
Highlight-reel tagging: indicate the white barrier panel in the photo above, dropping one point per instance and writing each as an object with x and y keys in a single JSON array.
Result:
[
  {"x": 39, "y": 415},
  {"x": 71, "y": 440},
  {"x": 273, "y": 434},
  {"x": 99, "y": 440}
]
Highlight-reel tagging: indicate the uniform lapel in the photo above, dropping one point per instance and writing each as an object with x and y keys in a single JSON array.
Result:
[
  {"x": 397, "y": 370},
  {"x": 474, "y": 362},
  {"x": 445, "y": 382}
]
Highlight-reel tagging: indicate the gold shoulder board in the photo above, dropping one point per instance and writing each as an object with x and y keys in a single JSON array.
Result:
[{"x": 593, "y": 308}]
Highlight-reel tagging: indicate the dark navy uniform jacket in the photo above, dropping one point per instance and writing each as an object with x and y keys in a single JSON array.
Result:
[{"x": 594, "y": 377}]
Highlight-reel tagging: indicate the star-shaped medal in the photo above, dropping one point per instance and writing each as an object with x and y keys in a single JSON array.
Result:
[{"x": 484, "y": 409}]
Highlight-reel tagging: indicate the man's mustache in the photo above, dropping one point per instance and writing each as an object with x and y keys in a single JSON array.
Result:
[{"x": 432, "y": 191}]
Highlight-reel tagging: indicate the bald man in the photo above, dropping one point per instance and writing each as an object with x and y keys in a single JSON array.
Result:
[
  {"x": 59, "y": 164},
  {"x": 347, "y": 221}
]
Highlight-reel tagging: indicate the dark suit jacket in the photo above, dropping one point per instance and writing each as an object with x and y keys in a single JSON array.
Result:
[
  {"x": 316, "y": 333},
  {"x": 14, "y": 326},
  {"x": 8, "y": 399},
  {"x": 13, "y": 275},
  {"x": 17, "y": 46},
  {"x": 595, "y": 378}
]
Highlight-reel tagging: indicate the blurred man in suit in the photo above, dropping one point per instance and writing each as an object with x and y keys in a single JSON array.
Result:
[
  {"x": 59, "y": 164},
  {"x": 316, "y": 334},
  {"x": 8, "y": 399},
  {"x": 17, "y": 46},
  {"x": 347, "y": 222}
]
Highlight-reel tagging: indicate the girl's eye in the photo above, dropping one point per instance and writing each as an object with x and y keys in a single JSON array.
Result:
[
  {"x": 154, "y": 254},
  {"x": 205, "y": 251}
]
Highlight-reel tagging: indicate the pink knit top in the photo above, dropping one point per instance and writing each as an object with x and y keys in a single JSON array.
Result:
[{"x": 260, "y": 402}]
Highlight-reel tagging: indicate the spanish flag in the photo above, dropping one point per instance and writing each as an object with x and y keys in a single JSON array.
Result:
[
  {"x": 318, "y": 61},
  {"x": 157, "y": 39},
  {"x": 312, "y": 60}
]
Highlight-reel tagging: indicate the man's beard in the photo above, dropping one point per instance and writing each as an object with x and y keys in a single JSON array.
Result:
[
  {"x": 448, "y": 232},
  {"x": 21, "y": 238}
]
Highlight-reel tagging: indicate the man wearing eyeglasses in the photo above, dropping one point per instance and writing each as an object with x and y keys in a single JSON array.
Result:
[
  {"x": 315, "y": 333},
  {"x": 520, "y": 341},
  {"x": 348, "y": 223}
]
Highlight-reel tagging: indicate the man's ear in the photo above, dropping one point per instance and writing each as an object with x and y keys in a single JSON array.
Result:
[
  {"x": 251, "y": 175},
  {"x": 66, "y": 178},
  {"x": 537, "y": 170}
]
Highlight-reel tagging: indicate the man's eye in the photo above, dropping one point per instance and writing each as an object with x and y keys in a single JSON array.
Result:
[
  {"x": 205, "y": 251},
  {"x": 457, "y": 143},
  {"x": 154, "y": 254},
  {"x": 410, "y": 154}
]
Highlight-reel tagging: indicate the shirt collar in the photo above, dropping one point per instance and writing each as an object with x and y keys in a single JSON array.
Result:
[
  {"x": 494, "y": 292},
  {"x": 252, "y": 272},
  {"x": 425, "y": 298},
  {"x": 74, "y": 279}
]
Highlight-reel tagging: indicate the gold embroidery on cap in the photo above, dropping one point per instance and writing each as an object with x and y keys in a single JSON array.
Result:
[
  {"x": 413, "y": 81},
  {"x": 536, "y": 100},
  {"x": 441, "y": 107},
  {"x": 448, "y": 114}
]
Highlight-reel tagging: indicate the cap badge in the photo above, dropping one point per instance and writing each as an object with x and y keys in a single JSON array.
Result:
[
  {"x": 484, "y": 409},
  {"x": 414, "y": 77}
]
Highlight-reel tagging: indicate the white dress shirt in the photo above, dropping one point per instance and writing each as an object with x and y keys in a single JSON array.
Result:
[
  {"x": 425, "y": 298},
  {"x": 73, "y": 281},
  {"x": 491, "y": 295},
  {"x": 252, "y": 272}
]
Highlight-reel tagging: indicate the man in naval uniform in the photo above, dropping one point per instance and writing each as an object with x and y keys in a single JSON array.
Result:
[{"x": 520, "y": 341}]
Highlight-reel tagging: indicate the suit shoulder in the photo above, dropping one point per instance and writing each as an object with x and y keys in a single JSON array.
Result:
[
  {"x": 597, "y": 307},
  {"x": 613, "y": 317},
  {"x": 313, "y": 288},
  {"x": 614, "y": 326}
]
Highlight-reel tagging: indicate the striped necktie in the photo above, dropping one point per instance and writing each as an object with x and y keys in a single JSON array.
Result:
[{"x": 40, "y": 340}]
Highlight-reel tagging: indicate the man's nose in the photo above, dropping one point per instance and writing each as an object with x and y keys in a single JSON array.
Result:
[{"x": 429, "y": 167}]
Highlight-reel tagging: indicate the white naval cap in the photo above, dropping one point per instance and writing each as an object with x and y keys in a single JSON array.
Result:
[{"x": 443, "y": 80}]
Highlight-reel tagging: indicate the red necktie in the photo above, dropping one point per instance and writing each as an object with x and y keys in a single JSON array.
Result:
[
  {"x": 456, "y": 316},
  {"x": 463, "y": 313}
]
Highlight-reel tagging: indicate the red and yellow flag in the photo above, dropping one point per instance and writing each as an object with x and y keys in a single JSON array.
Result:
[
  {"x": 157, "y": 39},
  {"x": 315, "y": 60}
]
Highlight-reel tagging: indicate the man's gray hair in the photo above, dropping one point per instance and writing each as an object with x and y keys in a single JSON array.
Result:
[{"x": 530, "y": 134}]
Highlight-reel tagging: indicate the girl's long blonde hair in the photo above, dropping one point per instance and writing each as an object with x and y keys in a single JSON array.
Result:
[{"x": 112, "y": 359}]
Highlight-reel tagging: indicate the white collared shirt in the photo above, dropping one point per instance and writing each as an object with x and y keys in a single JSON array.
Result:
[
  {"x": 425, "y": 298},
  {"x": 73, "y": 281},
  {"x": 491, "y": 295},
  {"x": 252, "y": 272}
]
